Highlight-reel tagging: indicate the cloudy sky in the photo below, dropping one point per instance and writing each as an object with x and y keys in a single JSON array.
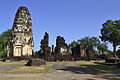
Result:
[{"x": 72, "y": 19}]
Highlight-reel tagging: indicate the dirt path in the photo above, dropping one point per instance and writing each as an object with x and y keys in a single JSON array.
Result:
[
  {"x": 6, "y": 67},
  {"x": 70, "y": 71}
]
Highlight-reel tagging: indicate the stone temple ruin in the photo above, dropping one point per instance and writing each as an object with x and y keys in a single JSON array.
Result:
[
  {"x": 60, "y": 52},
  {"x": 21, "y": 43},
  {"x": 61, "y": 46},
  {"x": 78, "y": 52},
  {"x": 45, "y": 44}
]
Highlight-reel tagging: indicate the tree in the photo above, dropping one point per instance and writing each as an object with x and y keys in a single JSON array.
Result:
[
  {"x": 73, "y": 44},
  {"x": 89, "y": 42},
  {"x": 102, "y": 47},
  {"x": 110, "y": 32},
  {"x": 4, "y": 40}
]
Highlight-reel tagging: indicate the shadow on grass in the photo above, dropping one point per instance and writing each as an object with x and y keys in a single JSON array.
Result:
[
  {"x": 109, "y": 64},
  {"x": 112, "y": 77},
  {"x": 76, "y": 70},
  {"x": 92, "y": 69},
  {"x": 95, "y": 69}
]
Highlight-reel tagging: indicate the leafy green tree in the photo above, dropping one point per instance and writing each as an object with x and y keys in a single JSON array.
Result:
[
  {"x": 4, "y": 40},
  {"x": 73, "y": 44},
  {"x": 110, "y": 32},
  {"x": 89, "y": 42},
  {"x": 102, "y": 47}
]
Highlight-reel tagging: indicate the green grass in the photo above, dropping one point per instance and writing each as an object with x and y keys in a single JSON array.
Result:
[
  {"x": 22, "y": 69},
  {"x": 16, "y": 63},
  {"x": 48, "y": 66},
  {"x": 95, "y": 68},
  {"x": 101, "y": 69},
  {"x": 21, "y": 78},
  {"x": 112, "y": 77}
]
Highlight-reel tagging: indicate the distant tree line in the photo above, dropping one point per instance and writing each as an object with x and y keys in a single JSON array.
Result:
[
  {"x": 4, "y": 41},
  {"x": 90, "y": 43}
]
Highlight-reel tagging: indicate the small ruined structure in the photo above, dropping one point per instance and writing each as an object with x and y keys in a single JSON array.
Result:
[
  {"x": 45, "y": 44},
  {"x": 21, "y": 43},
  {"x": 61, "y": 46},
  {"x": 78, "y": 52}
]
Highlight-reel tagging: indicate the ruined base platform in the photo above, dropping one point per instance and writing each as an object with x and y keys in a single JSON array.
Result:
[{"x": 36, "y": 62}]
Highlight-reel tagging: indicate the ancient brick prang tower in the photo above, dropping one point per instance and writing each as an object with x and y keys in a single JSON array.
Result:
[
  {"x": 61, "y": 46},
  {"x": 45, "y": 44},
  {"x": 22, "y": 37}
]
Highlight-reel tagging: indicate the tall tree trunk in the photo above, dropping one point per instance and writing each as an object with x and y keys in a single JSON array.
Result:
[
  {"x": 102, "y": 51},
  {"x": 114, "y": 48}
]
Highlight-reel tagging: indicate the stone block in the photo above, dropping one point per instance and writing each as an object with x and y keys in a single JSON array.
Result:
[{"x": 36, "y": 62}]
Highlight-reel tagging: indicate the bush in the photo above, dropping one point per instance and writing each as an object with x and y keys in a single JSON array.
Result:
[{"x": 3, "y": 53}]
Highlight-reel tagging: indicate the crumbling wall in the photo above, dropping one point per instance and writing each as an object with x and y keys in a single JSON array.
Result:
[{"x": 78, "y": 52}]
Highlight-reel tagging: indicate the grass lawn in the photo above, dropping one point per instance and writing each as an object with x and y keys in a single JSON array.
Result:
[
  {"x": 21, "y": 68},
  {"x": 21, "y": 78},
  {"x": 22, "y": 72},
  {"x": 97, "y": 68},
  {"x": 16, "y": 63}
]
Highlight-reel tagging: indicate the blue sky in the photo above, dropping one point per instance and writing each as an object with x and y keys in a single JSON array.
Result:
[{"x": 72, "y": 19}]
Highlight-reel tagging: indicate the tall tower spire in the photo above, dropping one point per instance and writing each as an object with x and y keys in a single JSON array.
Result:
[{"x": 22, "y": 36}]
